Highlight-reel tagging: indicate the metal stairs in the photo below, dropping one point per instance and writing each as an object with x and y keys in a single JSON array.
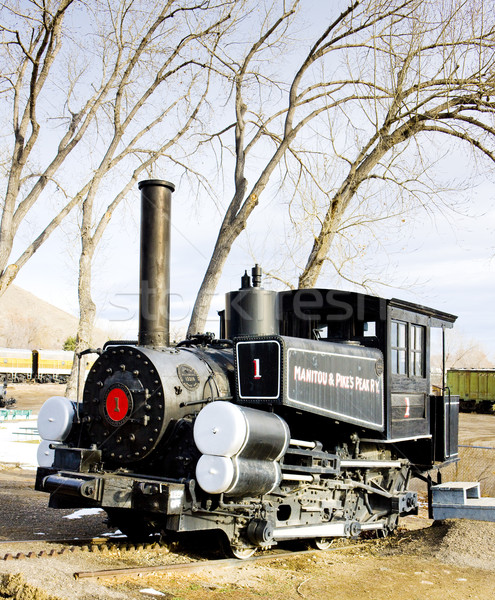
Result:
[{"x": 461, "y": 500}]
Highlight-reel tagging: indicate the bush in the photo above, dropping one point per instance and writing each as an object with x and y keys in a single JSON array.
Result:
[{"x": 70, "y": 343}]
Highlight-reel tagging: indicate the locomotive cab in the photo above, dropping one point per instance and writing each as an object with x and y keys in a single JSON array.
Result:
[
  {"x": 391, "y": 402},
  {"x": 402, "y": 332}
]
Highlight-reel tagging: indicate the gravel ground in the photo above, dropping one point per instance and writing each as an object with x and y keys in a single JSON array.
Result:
[
  {"x": 24, "y": 514},
  {"x": 453, "y": 560}
]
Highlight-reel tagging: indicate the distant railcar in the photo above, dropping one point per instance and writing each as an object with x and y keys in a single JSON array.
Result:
[
  {"x": 52, "y": 366},
  {"x": 44, "y": 366},
  {"x": 475, "y": 388},
  {"x": 16, "y": 365}
]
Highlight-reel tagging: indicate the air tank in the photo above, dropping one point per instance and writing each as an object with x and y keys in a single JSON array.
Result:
[
  {"x": 226, "y": 429},
  {"x": 240, "y": 449},
  {"x": 237, "y": 476}
]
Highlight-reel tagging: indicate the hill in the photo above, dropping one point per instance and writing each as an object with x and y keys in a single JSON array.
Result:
[{"x": 26, "y": 321}]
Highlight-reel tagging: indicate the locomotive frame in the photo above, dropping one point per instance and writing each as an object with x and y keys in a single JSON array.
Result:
[{"x": 305, "y": 420}]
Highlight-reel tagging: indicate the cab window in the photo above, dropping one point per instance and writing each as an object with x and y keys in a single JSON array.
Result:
[
  {"x": 417, "y": 351},
  {"x": 398, "y": 347},
  {"x": 407, "y": 349}
]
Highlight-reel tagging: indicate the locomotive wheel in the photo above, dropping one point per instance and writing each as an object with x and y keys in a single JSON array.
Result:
[
  {"x": 322, "y": 543},
  {"x": 392, "y": 523},
  {"x": 233, "y": 551},
  {"x": 381, "y": 533},
  {"x": 241, "y": 553}
]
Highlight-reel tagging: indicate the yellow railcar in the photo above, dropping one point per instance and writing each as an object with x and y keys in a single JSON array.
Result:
[
  {"x": 16, "y": 364},
  {"x": 44, "y": 366},
  {"x": 52, "y": 365}
]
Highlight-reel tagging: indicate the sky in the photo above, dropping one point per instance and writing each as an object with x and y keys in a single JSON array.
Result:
[{"x": 446, "y": 262}]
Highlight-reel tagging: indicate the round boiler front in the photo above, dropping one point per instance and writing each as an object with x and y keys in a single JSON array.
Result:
[{"x": 133, "y": 395}]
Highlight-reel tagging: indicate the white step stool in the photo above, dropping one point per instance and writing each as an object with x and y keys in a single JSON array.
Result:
[{"x": 461, "y": 500}]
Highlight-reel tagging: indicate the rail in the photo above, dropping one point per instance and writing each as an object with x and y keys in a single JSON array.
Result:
[
  {"x": 31, "y": 432},
  {"x": 25, "y": 549},
  {"x": 478, "y": 447},
  {"x": 191, "y": 567}
]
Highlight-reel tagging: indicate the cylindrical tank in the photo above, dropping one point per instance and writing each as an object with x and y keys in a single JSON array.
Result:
[
  {"x": 251, "y": 310},
  {"x": 237, "y": 476},
  {"x": 46, "y": 453},
  {"x": 154, "y": 281},
  {"x": 55, "y": 418},
  {"x": 240, "y": 447},
  {"x": 226, "y": 429}
]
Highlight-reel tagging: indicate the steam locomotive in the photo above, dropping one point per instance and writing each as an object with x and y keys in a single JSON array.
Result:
[{"x": 306, "y": 419}]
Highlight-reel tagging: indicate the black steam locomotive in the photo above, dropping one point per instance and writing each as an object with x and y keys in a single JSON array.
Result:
[{"x": 305, "y": 420}]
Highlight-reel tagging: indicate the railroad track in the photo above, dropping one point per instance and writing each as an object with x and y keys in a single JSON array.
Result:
[
  {"x": 110, "y": 545},
  {"x": 202, "y": 565},
  {"x": 68, "y": 546}
]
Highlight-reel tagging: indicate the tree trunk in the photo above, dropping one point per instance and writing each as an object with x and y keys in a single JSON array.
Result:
[
  {"x": 6, "y": 240},
  {"x": 86, "y": 321},
  {"x": 359, "y": 171},
  {"x": 225, "y": 240},
  {"x": 316, "y": 259}
]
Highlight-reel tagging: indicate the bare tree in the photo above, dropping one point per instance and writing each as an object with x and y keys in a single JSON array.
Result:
[
  {"x": 463, "y": 353},
  {"x": 32, "y": 37},
  {"x": 380, "y": 76},
  {"x": 430, "y": 75},
  {"x": 157, "y": 95},
  {"x": 67, "y": 74},
  {"x": 242, "y": 72}
]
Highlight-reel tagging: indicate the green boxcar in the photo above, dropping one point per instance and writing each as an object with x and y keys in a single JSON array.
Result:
[{"x": 475, "y": 387}]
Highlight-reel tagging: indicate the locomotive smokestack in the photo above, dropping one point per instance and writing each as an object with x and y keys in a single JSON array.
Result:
[{"x": 154, "y": 279}]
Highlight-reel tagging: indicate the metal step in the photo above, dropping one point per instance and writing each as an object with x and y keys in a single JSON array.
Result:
[{"x": 461, "y": 500}]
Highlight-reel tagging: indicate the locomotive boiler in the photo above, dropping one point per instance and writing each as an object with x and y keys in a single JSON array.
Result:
[{"x": 306, "y": 419}]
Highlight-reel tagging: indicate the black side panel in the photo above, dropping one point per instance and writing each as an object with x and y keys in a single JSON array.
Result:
[
  {"x": 339, "y": 381},
  {"x": 445, "y": 420},
  {"x": 258, "y": 370},
  {"x": 343, "y": 382},
  {"x": 409, "y": 415}
]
